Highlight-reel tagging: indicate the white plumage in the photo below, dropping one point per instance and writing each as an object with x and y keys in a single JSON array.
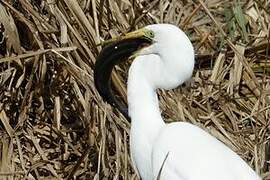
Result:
[{"x": 192, "y": 154}]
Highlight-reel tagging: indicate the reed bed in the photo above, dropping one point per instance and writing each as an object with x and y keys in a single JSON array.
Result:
[{"x": 53, "y": 123}]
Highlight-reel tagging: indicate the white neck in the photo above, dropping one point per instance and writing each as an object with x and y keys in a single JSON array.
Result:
[{"x": 143, "y": 102}]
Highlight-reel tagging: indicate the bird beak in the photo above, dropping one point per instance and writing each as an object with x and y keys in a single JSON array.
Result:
[{"x": 140, "y": 33}]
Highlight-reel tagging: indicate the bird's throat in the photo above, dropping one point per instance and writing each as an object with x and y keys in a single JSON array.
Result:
[{"x": 143, "y": 104}]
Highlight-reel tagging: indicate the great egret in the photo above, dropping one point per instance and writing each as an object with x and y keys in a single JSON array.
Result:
[{"x": 164, "y": 58}]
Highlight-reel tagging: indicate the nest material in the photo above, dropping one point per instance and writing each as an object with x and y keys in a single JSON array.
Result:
[{"x": 53, "y": 123}]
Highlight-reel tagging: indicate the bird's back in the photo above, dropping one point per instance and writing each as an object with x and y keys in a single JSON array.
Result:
[{"x": 194, "y": 154}]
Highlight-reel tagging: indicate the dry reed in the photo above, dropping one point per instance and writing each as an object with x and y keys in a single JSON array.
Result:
[{"x": 53, "y": 123}]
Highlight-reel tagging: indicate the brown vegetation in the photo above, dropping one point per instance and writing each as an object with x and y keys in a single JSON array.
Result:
[{"x": 54, "y": 125}]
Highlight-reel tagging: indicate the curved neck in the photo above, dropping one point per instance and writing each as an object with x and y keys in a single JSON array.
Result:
[{"x": 142, "y": 101}]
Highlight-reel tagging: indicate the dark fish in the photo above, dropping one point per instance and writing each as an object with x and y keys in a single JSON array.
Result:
[{"x": 109, "y": 56}]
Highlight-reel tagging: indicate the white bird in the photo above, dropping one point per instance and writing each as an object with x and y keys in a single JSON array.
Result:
[{"x": 178, "y": 150}]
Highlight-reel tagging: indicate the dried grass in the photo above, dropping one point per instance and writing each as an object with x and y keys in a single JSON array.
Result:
[{"x": 53, "y": 123}]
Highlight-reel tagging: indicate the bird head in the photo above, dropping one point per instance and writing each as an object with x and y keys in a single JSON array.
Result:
[{"x": 174, "y": 50}]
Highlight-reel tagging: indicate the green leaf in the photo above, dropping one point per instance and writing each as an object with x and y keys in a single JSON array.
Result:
[
  {"x": 241, "y": 20},
  {"x": 230, "y": 22}
]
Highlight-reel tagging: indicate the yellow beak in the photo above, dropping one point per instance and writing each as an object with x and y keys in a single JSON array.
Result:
[{"x": 140, "y": 33}]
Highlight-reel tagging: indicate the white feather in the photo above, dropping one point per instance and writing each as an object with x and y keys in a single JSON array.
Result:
[{"x": 193, "y": 154}]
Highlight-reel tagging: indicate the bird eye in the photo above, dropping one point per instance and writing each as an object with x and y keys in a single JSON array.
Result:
[{"x": 151, "y": 34}]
